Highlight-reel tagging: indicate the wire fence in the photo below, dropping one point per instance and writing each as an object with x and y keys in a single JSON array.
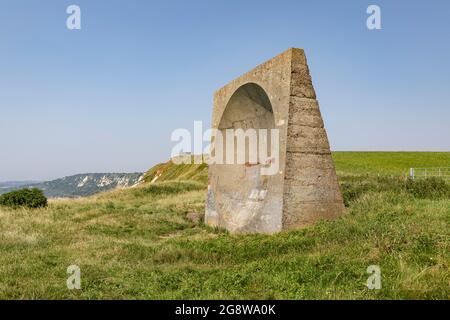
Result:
[{"x": 423, "y": 173}]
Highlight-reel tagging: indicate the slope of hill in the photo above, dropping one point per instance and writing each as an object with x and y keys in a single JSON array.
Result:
[
  {"x": 141, "y": 243},
  {"x": 82, "y": 185},
  {"x": 169, "y": 171},
  {"x": 347, "y": 164}
]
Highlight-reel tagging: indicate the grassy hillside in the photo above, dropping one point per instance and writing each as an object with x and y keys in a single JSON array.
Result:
[
  {"x": 169, "y": 171},
  {"x": 139, "y": 244},
  {"x": 347, "y": 164}
]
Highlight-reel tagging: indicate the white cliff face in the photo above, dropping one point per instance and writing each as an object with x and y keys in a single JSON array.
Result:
[
  {"x": 138, "y": 182},
  {"x": 83, "y": 181},
  {"x": 156, "y": 177},
  {"x": 105, "y": 181},
  {"x": 92, "y": 183},
  {"x": 123, "y": 182},
  {"x": 108, "y": 180}
]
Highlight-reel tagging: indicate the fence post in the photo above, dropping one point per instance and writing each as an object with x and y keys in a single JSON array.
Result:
[{"x": 411, "y": 173}]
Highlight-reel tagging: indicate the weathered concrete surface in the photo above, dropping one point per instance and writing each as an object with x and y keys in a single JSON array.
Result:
[{"x": 277, "y": 94}]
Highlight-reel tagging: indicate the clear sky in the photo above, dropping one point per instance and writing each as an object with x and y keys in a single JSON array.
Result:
[{"x": 107, "y": 97}]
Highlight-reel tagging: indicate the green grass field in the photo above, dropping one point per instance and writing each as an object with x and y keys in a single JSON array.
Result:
[
  {"x": 138, "y": 244},
  {"x": 387, "y": 163}
]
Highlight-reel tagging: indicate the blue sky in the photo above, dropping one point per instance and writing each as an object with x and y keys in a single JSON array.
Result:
[{"x": 107, "y": 97}]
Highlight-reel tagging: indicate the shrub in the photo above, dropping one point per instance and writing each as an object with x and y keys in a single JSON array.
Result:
[
  {"x": 31, "y": 198},
  {"x": 351, "y": 192},
  {"x": 431, "y": 188}
]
